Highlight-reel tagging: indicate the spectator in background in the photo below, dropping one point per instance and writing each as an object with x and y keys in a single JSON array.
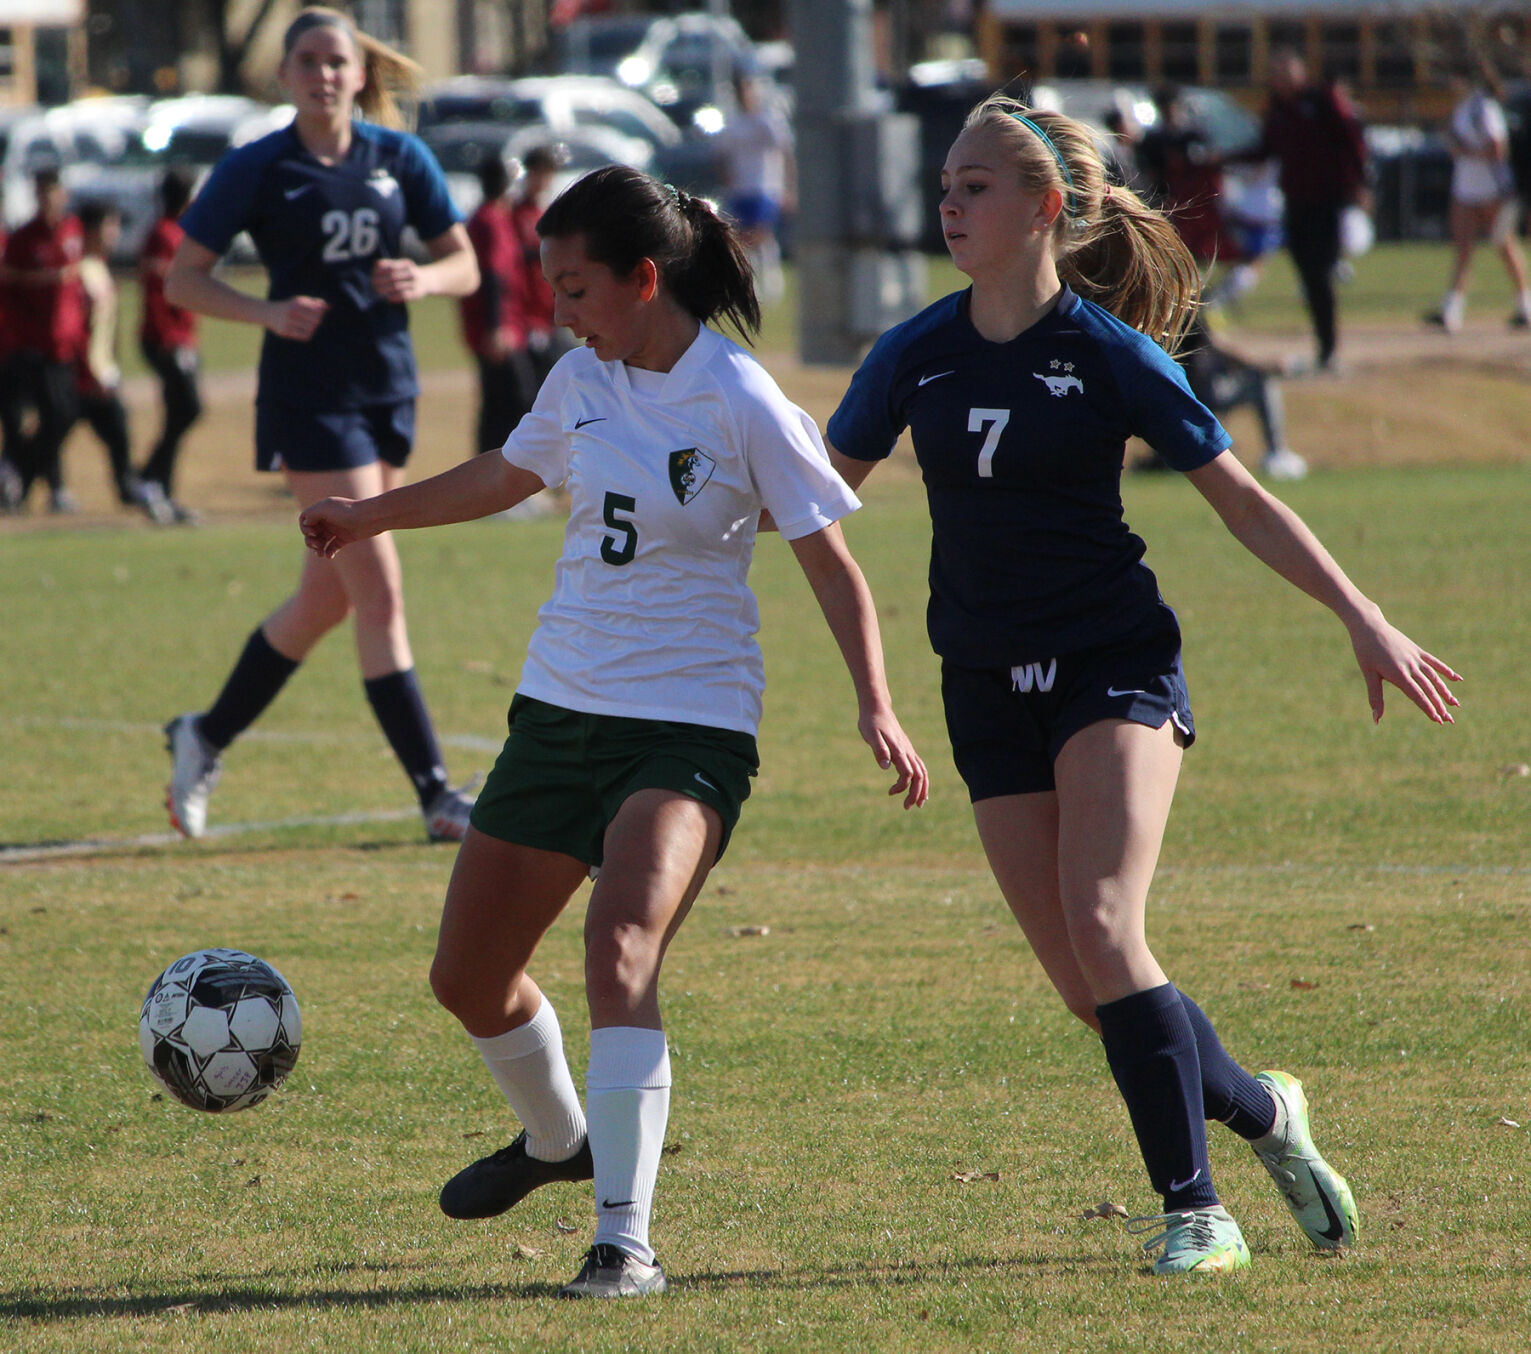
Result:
[
  {"x": 10, "y": 425},
  {"x": 756, "y": 162},
  {"x": 1183, "y": 176},
  {"x": 1122, "y": 161},
  {"x": 1483, "y": 201},
  {"x": 98, "y": 376},
  {"x": 1313, "y": 132},
  {"x": 494, "y": 325},
  {"x": 45, "y": 329},
  {"x": 167, "y": 335},
  {"x": 546, "y": 341}
]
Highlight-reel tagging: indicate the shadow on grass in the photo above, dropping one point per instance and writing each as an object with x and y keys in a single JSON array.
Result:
[{"x": 76, "y": 1306}]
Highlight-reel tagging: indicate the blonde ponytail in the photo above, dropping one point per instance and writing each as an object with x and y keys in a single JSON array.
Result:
[
  {"x": 389, "y": 73},
  {"x": 1112, "y": 247}
]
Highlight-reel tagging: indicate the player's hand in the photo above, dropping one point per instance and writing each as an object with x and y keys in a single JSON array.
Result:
[
  {"x": 331, "y": 524},
  {"x": 297, "y": 317},
  {"x": 893, "y": 750},
  {"x": 398, "y": 280},
  {"x": 1386, "y": 654}
]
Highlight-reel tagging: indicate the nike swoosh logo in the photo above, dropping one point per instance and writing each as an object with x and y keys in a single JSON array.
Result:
[
  {"x": 292, "y": 193},
  {"x": 1336, "y": 1229},
  {"x": 580, "y": 422},
  {"x": 1130, "y": 691},
  {"x": 626, "y": 1203},
  {"x": 1176, "y": 1185},
  {"x": 704, "y": 781},
  {"x": 926, "y": 380}
]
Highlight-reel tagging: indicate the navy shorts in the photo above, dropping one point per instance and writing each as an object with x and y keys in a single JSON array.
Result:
[
  {"x": 752, "y": 210},
  {"x": 1007, "y": 725},
  {"x": 336, "y": 439}
]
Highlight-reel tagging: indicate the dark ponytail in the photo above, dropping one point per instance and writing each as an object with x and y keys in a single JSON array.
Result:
[{"x": 625, "y": 216}]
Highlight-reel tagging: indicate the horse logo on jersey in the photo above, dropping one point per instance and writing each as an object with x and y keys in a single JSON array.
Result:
[
  {"x": 690, "y": 469},
  {"x": 1060, "y": 386},
  {"x": 383, "y": 182}
]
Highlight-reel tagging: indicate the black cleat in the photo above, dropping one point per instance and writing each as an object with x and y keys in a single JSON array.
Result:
[
  {"x": 610, "y": 1272},
  {"x": 499, "y": 1182}
]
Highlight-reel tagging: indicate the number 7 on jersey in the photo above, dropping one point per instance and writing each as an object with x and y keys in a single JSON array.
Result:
[{"x": 996, "y": 419}]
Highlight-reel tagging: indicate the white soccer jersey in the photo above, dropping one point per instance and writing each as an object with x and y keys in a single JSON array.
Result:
[{"x": 651, "y": 615}]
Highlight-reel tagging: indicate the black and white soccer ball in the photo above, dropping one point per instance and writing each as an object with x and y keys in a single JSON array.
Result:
[{"x": 220, "y": 1029}]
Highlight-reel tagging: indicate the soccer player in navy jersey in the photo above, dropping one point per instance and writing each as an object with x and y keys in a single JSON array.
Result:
[
  {"x": 326, "y": 201},
  {"x": 1061, "y": 673}
]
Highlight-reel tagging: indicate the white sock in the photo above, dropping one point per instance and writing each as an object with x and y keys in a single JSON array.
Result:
[
  {"x": 1454, "y": 307},
  {"x": 528, "y": 1065},
  {"x": 627, "y": 1094},
  {"x": 1524, "y": 305}
]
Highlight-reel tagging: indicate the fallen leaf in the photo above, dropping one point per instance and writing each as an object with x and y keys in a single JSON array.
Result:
[
  {"x": 1507, "y": 1123},
  {"x": 1515, "y": 769},
  {"x": 1105, "y": 1209},
  {"x": 739, "y": 931},
  {"x": 969, "y": 1177},
  {"x": 181, "y": 1308},
  {"x": 1302, "y": 985},
  {"x": 1360, "y": 926},
  {"x": 527, "y": 1252},
  {"x": 671, "y": 1148},
  {"x": 253, "y": 1180},
  {"x": 477, "y": 1133},
  {"x": 565, "y": 1227}
]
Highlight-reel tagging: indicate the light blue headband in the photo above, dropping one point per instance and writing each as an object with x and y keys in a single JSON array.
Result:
[{"x": 1068, "y": 206}]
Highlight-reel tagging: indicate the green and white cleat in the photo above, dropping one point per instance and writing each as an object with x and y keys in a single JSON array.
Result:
[
  {"x": 1316, "y": 1193},
  {"x": 1195, "y": 1241}
]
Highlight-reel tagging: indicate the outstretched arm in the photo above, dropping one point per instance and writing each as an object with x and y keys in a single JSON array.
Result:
[
  {"x": 1275, "y": 535},
  {"x": 475, "y": 488},
  {"x": 846, "y": 602}
]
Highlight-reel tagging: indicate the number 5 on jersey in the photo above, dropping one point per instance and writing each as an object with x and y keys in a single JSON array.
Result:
[
  {"x": 996, "y": 419},
  {"x": 621, "y": 548}
]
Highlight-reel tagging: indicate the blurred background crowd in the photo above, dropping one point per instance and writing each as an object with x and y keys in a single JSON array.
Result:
[{"x": 112, "y": 112}]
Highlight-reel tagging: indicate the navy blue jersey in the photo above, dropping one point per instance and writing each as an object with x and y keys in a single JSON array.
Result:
[
  {"x": 1021, "y": 446},
  {"x": 319, "y": 229}
]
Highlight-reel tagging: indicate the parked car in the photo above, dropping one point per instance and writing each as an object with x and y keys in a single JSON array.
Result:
[
  {"x": 687, "y": 64},
  {"x": 190, "y": 133},
  {"x": 461, "y": 147},
  {"x": 564, "y": 106},
  {"x": 596, "y": 44}
]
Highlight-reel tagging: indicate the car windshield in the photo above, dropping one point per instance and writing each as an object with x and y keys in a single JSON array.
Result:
[
  {"x": 464, "y": 154},
  {"x": 448, "y": 108}
]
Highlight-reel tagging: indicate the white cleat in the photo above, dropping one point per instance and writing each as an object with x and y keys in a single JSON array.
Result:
[{"x": 194, "y": 771}]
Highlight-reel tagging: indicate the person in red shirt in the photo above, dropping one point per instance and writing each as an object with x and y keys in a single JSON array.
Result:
[
  {"x": 10, "y": 413},
  {"x": 1313, "y": 132},
  {"x": 167, "y": 335},
  {"x": 45, "y": 324},
  {"x": 545, "y": 340},
  {"x": 494, "y": 323}
]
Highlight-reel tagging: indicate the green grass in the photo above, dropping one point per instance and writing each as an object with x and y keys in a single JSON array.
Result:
[{"x": 1348, "y": 902}]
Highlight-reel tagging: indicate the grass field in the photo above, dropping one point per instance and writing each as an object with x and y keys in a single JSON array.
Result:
[{"x": 1348, "y": 902}]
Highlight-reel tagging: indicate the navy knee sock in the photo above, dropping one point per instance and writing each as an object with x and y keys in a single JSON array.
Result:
[
  {"x": 1229, "y": 1094},
  {"x": 400, "y": 709},
  {"x": 1151, "y": 1047},
  {"x": 259, "y": 673}
]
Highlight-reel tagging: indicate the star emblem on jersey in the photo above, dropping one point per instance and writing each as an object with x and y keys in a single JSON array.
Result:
[
  {"x": 690, "y": 469},
  {"x": 384, "y": 182},
  {"x": 1060, "y": 379}
]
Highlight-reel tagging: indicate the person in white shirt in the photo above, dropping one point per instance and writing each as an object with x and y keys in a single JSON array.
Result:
[
  {"x": 1483, "y": 201},
  {"x": 758, "y": 169},
  {"x": 632, "y": 732}
]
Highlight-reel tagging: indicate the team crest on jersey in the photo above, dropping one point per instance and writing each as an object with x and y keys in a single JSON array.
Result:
[
  {"x": 690, "y": 469},
  {"x": 384, "y": 182},
  {"x": 1061, "y": 380}
]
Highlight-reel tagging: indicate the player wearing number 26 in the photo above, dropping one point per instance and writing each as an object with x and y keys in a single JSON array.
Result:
[
  {"x": 326, "y": 201},
  {"x": 632, "y": 733}
]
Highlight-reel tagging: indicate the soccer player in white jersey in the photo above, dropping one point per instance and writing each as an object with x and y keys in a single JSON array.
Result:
[
  {"x": 632, "y": 733},
  {"x": 1061, "y": 672}
]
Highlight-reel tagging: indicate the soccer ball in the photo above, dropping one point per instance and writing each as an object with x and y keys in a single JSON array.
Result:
[{"x": 220, "y": 1029}]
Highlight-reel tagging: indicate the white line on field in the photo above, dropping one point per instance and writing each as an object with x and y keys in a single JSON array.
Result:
[
  {"x": 15, "y": 855},
  {"x": 471, "y": 742}
]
